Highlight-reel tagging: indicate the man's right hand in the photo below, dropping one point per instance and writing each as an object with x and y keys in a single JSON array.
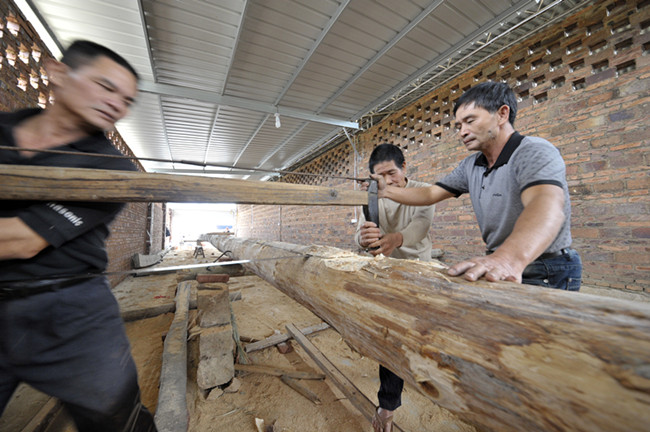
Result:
[{"x": 381, "y": 184}]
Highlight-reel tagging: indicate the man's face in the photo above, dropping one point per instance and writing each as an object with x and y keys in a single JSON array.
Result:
[
  {"x": 393, "y": 174},
  {"x": 476, "y": 126},
  {"x": 98, "y": 94}
]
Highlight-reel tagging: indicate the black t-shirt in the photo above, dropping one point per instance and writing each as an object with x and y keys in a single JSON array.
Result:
[{"x": 76, "y": 231}]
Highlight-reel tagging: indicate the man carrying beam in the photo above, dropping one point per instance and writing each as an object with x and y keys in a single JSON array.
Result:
[
  {"x": 519, "y": 192},
  {"x": 60, "y": 332},
  {"x": 402, "y": 233}
]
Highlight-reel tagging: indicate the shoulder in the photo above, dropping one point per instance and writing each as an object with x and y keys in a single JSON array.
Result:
[
  {"x": 103, "y": 146},
  {"x": 415, "y": 183}
]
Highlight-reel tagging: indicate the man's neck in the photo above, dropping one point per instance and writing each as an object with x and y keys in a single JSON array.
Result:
[{"x": 493, "y": 151}]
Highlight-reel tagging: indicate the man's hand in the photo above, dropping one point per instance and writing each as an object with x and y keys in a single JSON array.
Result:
[
  {"x": 493, "y": 268},
  {"x": 18, "y": 241},
  {"x": 369, "y": 234},
  {"x": 371, "y": 237}
]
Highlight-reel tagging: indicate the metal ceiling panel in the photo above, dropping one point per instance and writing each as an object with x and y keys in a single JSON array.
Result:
[{"x": 216, "y": 72}]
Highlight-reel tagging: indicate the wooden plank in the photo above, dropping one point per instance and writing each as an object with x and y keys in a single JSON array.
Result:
[
  {"x": 278, "y": 371},
  {"x": 354, "y": 395},
  {"x": 294, "y": 384},
  {"x": 44, "y": 416},
  {"x": 502, "y": 356},
  {"x": 20, "y": 182},
  {"x": 171, "y": 413},
  {"x": 283, "y": 337}
]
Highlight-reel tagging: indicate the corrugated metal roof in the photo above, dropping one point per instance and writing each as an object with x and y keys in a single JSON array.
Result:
[{"x": 215, "y": 72}]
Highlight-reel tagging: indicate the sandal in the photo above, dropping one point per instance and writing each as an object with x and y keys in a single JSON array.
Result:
[{"x": 382, "y": 421}]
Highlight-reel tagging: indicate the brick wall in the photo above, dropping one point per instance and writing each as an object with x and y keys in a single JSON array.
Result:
[
  {"x": 583, "y": 85},
  {"x": 23, "y": 83}
]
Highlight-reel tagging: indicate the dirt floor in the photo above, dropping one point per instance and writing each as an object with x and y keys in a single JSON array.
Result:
[{"x": 262, "y": 311}]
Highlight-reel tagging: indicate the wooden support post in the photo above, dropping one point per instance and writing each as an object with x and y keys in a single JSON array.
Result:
[
  {"x": 503, "y": 356},
  {"x": 171, "y": 414},
  {"x": 23, "y": 182}
]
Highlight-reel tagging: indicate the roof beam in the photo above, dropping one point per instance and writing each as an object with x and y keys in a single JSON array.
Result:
[
  {"x": 216, "y": 98},
  {"x": 410, "y": 26},
  {"x": 489, "y": 26}
]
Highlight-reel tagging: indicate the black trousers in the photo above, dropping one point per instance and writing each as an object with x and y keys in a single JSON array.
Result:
[
  {"x": 71, "y": 344},
  {"x": 390, "y": 389}
]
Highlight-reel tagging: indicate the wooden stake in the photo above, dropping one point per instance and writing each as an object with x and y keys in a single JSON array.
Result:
[{"x": 354, "y": 395}]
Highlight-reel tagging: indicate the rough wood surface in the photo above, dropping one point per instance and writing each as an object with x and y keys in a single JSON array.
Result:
[
  {"x": 503, "y": 356},
  {"x": 171, "y": 413},
  {"x": 76, "y": 184}
]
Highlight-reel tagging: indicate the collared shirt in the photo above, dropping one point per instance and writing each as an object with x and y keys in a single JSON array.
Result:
[
  {"x": 412, "y": 221},
  {"x": 76, "y": 231},
  {"x": 495, "y": 192}
]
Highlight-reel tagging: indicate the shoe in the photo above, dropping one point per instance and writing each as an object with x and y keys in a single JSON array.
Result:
[{"x": 382, "y": 421}]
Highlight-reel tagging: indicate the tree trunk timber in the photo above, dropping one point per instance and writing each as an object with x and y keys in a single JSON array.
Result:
[
  {"x": 78, "y": 184},
  {"x": 502, "y": 356}
]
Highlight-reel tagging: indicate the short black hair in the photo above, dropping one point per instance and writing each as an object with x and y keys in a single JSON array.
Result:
[
  {"x": 82, "y": 52},
  {"x": 385, "y": 153},
  {"x": 490, "y": 96}
]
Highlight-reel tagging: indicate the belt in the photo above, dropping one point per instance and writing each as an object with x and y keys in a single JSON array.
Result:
[
  {"x": 18, "y": 290},
  {"x": 547, "y": 255}
]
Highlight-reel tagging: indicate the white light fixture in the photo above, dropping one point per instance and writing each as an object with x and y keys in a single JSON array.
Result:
[{"x": 277, "y": 120}]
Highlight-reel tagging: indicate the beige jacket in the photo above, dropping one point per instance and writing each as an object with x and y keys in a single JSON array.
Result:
[{"x": 412, "y": 221}]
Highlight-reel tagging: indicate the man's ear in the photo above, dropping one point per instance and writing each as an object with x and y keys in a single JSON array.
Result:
[
  {"x": 504, "y": 114},
  {"x": 56, "y": 71}
]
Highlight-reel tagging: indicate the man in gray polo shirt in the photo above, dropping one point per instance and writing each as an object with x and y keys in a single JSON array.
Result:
[{"x": 517, "y": 185}]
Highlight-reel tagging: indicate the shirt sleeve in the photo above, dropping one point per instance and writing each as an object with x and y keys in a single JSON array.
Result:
[
  {"x": 357, "y": 235},
  {"x": 456, "y": 182},
  {"x": 59, "y": 222},
  {"x": 538, "y": 162},
  {"x": 419, "y": 226}
]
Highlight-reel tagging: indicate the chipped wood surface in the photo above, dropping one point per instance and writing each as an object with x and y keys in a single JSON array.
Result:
[{"x": 503, "y": 356}]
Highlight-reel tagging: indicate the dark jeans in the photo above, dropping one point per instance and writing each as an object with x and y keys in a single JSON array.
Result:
[
  {"x": 561, "y": 272},
  {"x": 71, "y": 344},
  {"x": 390, "y": 389}
]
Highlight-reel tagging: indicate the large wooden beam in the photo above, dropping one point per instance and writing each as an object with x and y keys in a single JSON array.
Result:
[
  {"x": 502, "y": 356},
  {"x": 76, "y": 184}
]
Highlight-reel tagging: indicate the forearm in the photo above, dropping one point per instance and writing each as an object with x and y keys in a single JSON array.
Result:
[
  {"x": 416, "y": 196},
  {"x": 19, "y": 241}
]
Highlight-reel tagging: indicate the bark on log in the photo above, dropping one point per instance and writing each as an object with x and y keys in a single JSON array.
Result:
[
  {"x": 78, "y": 184},
  {"x": 502, "y": 356}
]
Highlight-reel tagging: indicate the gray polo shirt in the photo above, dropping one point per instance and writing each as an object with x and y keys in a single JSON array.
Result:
[{"x": 496, "y": 192}]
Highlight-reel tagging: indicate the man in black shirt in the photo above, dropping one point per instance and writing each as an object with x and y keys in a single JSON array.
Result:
[{"x": 59, "y": 332}]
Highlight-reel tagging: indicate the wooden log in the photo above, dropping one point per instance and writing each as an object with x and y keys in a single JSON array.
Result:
[
  {"x": 502, "y": 356},
  {"x": 24, "y": 182},
  {"x": 171, "y": 413},
  {"x": 351, "y": 392}
]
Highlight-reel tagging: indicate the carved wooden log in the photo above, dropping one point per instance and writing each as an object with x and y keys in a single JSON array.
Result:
[
  {"x": 78, "y": 184},
  {"x": 502, "y": 356}
]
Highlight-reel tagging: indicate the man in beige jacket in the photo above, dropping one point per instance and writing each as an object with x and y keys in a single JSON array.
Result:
[{"x": 402, "y": 233}]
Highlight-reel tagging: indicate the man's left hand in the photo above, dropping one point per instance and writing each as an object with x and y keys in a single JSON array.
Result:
[
  {"x": 493, "y": 268},
  {"x": 387, "y": 244}
]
